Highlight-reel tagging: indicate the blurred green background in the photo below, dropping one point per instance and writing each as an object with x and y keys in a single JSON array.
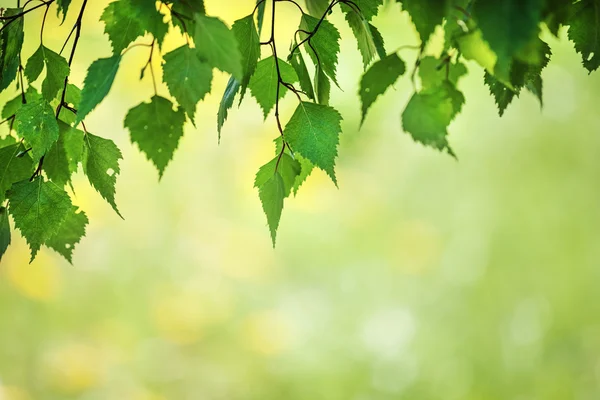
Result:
[{"x": 420, "y": 278}]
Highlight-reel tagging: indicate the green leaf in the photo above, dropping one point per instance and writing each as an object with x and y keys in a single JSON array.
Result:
[
  {"x": 4, "y": 232},
  {"x": 426, "y": 15},
  {"x": 12, "y": 106},
  {"x": 313, "y": 131},
  {"x": 217, "y": 45},
  {"x": 473, "y": 47},
  {"x": 429, "y": 113},
  {"x": 306, "y": 166},
  {"x": 38, "y": 209},
  {"x": 151, "y": 19},
  {"x": 63, "y": 7},
  {"x": 61, "y": 160},
  {"x": 249, "y": 46},
  {"x": 317, "y": 8},
  {"x": 325, "y": 42},
  {"x": 101, "y": 165},
  {"x": 433, "y": 71},
  {"x": 322, "y": 86},
  {"x": 364, "y": 37},
  {"x": 156, "y": 128},
  {"x": 12, "y": 168},
  {"x": 286, "y": 166},
  {"x": 378, "y": 40},
  {"x": 97, "y": 84},
  {"x": 272, "y": 194},
  {"x": 57, "y": 69},
  {"x": 522, "y": 75},
  {"x": 36, "y": 123},
  {"x": 297, "y": 61},
  {"x": 69, "y": 234},
  {"x": 11, "y": 41},
  {"x": 263, "y": 84},
  {"x": 233, "y": 85},
  {"x": 187, "y": 77},
  {"x": 186, "y": 9},
  {"x": 122, "y": 24},
  {"x": 368, "y": 8},
  {"x": 508, "y": 26},
  {"x": 383, "y": 74},
  {"x": 584, "y": 32}
]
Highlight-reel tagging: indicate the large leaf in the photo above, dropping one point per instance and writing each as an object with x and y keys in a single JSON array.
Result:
[
  {"x": 57, "y": 69},
  {"x": 217, "y": 45}
]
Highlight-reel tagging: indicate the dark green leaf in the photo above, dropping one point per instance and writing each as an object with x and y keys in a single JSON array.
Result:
[
  {"x": 97, "y": 84},
  {"x": 63, "y": 8},
  {"x": 297, "y": 62},
  {"x": 4, "y": 232},
  {"x": 584, "y": 31},
  {"x": 383, "y": 74},
  {"x": 426, "y": 15},
  {"x": 12, "y": 168},
  {"x": 233, "y": 85},
  {"x": 122, "y": 24},
  {"x": 249, "y": 46},
  {"x": 11, "y": 41},
  {"x": 57, "y": 69}
]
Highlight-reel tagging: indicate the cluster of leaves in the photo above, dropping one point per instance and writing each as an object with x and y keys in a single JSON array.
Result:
[{"x": 47, "y": 138}]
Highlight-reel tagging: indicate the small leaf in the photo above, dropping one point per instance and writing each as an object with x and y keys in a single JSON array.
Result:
[
  {"x": 286, "y": 166},
  {"x": 36, "y": 123},
  {"x": 101, "y": 165},
  {"x": 322, "y": 86},
  {"x": 313, "y": 131},
  {"x": 297, "y": 62},
  {"x": 58, "y": 163},
  {"x": 217, "y": 45},
  {"x": 97, "y": 84},
  {"x": 263, "y": 84},
  {"x": 233, "y": 85},
  {"x": 122, "y": 24},
  {"x": 383, "y": 74},
  {"x": 156, "y": 128},
  {"x": 429, "y": 113},
  {"x": 12, "y": 106},
  {"x": 187, "y": 77},
  {"x": 272, "y": 194},
  {"x": 4, "y": 232},
  {"x": 63, "y": 8},
  {"x": 38, "y": 209},
  {"x": 364, "y": 36},
  {"x": 69, "y": 234},
  {"x": 426, "y": 15},
  {"x": 433, "y": 72}
]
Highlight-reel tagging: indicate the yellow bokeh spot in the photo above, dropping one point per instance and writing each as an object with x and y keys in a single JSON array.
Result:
[
  {"x": 13, "y": 393},
  {"x": 182, "y": 317},
  {"x": 39, "y": 280},
  {"x": 75, "y": 368},
  {"x": 266, "y": 333}
]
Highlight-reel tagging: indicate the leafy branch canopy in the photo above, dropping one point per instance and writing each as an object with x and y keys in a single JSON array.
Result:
[{"x": 48, "y": 140}]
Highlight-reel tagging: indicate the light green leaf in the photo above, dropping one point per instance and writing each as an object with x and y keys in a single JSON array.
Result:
[
  {"x": 433, "y": 72},
  {"x": 36, "y": 123},
  {"x": 325, "y": 42},
  {"x": 156, "y": 128},
  {"x": 429, "y": 113},
  {"x": 263, "y": 84},
  {"x": 364, "y": 37},
  {"x": 426, "y": 15},
  {"x": 272, "y": 194},
  {"x": 69, "y": 234},
  {"x": 4, "y": 232},
  {"x": 368, "y": 8},
  {"x": 57, "y": 69},
  {"x": 12, "y": 168},
  {"x": 313, "y": 131},
  {"x": 12, "y": 106},
  {"x": 383, "y": 74},
  {"x": 249, "y": 46},
  {"x": 38, "y": 209},
  {"x": 322, "y": 86},
  {"x": 286, "y": 166},
  {"x": 61, "y": 160},
  {"x": 11, "y": 41},
  {"x": 97, "y": 84},
  {"x": 122, "y": 24},
  {"x": 217, "y": 45},
  {"x": 187, "y": 77},
  {"x": 317, "y": 8},
  {"x": 101, "y": 165}
]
